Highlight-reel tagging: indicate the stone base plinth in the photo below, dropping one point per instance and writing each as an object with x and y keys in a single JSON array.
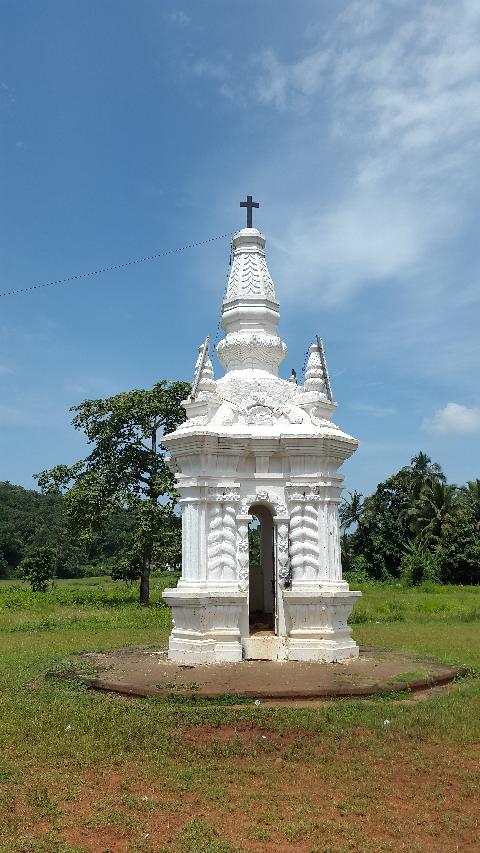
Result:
[
  {"x": 212, "y": 627},
  {"x": 266, "y": 646},
  {"x": 316, "y": 623},
  {"x": 205, "y": 626}
]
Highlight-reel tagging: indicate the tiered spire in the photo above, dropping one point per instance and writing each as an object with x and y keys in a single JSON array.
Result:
[
  {"x": 250, "y": 312},
  {"x": 249, "y": 276},
  {"x": 204, "y": 379},
  {"x": 314, "y": 378}
]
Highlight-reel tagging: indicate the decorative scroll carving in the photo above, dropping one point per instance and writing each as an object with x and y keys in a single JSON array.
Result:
[
  {"x": 215, "y": 537},
  {"x": 257, "y": 410},
  {"x": 243, "y": 556},
  {"x": 259, "y": 415},
  {"x": 229, "y": 543},
  {"x": 311, "y": 554},
  {"x": 263, "y": 496},
  {"x": 283, "y": 557},
  {"x": 303, "y": 493},
  {"x": 242, "y": 351},
  {"x": 223, "y": 494},
  {"x": 304, "y": 546},
  {"x": 222, "y": 542},
  {"x": 296, "y": 541}
]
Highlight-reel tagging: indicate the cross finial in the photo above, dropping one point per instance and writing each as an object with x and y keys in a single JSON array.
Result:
[{"x": 249, "y": 204}]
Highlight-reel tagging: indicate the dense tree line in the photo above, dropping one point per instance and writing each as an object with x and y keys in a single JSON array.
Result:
[
  {"x": 30, "y": 521},
  {"x": 415, "y": 526}
]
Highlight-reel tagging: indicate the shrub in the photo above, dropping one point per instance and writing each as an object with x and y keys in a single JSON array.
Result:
[
  {"x": 358, "y": 572},
  {"x": 38, "y": 569},
  {"x": 418, "y": 566}
]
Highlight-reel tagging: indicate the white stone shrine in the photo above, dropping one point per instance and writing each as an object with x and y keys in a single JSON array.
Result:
[{"x": 256, "y": 445}]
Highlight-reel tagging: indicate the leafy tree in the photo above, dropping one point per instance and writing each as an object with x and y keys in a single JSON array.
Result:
[
  {"x": 39, "y": 568},
  {"x": 415, "y": 504},
  {"x": 459, "y": 549},
  {"x": 383, "y": 529},
  {"x": 433, "y": 513},
  {"x": 415, "y": 525},
  {"x": 351, "y": 511},
  {"x": 126, "y": 469}
]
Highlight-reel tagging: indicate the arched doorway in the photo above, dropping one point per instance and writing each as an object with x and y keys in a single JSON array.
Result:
[{"x": 262, "y": 588}]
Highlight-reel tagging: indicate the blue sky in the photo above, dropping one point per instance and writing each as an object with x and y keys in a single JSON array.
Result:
[{"x": 132, "y": 126}]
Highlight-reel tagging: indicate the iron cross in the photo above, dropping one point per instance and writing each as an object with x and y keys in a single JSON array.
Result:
[{"x": 249, "y": 204}]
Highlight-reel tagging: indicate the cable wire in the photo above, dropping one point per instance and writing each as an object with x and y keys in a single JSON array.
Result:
[{"x": 113, "y": 267}]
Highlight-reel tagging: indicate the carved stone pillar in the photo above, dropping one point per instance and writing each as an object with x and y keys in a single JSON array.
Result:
[
  {"x": 329, "y": 533},
  {"x": 207, "y": 606},
  {"x": 194, "y": 514},
  {"x": 304, "y": 535},
  {"x": 222, "y": 533},
  {"x": 243, "y": 555},
  {"x": 318, "y": 604}
]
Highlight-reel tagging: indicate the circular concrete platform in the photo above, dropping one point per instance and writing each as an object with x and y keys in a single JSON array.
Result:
[{"x": 146, "y": 672}]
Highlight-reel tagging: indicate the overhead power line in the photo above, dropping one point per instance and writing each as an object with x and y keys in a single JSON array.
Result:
[{"x": 113, "y": 267}]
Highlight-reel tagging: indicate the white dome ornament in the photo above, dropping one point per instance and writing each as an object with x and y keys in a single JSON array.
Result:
[{"x": 257, "y": 445}]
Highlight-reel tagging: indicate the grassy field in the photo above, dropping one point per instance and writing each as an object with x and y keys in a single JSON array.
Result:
[{"x": 87, "y": 772}]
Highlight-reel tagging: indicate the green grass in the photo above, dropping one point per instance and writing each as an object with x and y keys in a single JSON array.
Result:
[
  {"x": 431, "y": 602},
  {"x": 58, "y": 739}
]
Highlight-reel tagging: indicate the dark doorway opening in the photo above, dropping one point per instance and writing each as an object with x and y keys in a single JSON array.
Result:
[{"x": 262, "y": 571}]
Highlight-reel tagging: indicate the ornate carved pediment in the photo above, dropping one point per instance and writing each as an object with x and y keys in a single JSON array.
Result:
[
  {"x": 304, "y": 494},
  {"x": 223, "y": 494},
  {"x": 259, "y": 415},
  {"x": 244, "y": 351},
  {"x": 263, "y": 496},
  {"x": 259, "y": 405}
]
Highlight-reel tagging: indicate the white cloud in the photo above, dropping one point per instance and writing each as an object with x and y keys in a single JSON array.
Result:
[
  {"x": 178, "y": 17},
  {"x": 272, "y": 82},
  {"x": 454, "y": 419},
  {"x": 363, "y": 240},
  {"x": 6, "y": 371},
  {"x": 394, "y": 87},
  {"x": 408, "y": 88},
  {"x": 400, "y": 80}
]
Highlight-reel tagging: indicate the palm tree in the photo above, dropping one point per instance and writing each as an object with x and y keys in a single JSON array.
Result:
[
  {"x": 434, "y": 510},
  {"x": 351, "y": 511},
  {"x": 471, "y": 500},
  {"x": 423, "y": 471}
]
